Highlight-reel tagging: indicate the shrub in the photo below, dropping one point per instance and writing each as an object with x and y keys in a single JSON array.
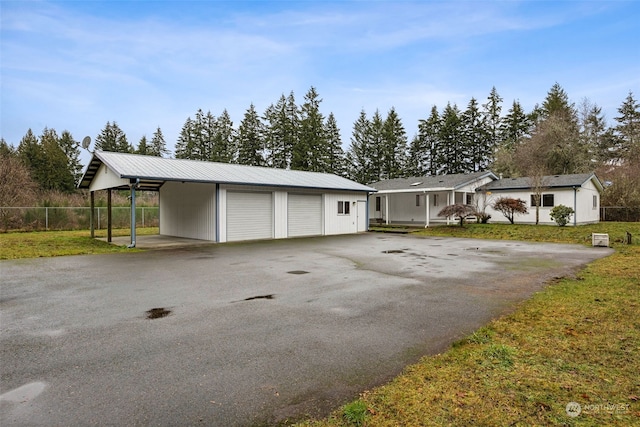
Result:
[
  {"x": 510, "y": 207},
  {"x": 355, "y": 412},
  {"x": 459, "y": 210},
  {"x": 561, "y": 214}
]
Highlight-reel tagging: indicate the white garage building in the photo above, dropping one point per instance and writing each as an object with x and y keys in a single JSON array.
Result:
[{"x": 226, "y": 202}]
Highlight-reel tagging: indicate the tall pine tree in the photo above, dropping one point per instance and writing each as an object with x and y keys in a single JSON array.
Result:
[{"x": 249, "y": 139}]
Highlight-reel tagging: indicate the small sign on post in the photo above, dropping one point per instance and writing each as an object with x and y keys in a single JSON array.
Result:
[{"x": 600, "y": 239}]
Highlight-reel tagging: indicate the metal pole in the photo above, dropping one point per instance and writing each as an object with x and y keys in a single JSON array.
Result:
[
  {"x": 46, "y": 218},
  {"x": 93, "y": 205},
  {"x": 133, "y": 213},
  {"x": 109, "y": 226}
]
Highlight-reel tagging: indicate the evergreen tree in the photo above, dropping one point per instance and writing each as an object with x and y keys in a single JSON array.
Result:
[
  {"x": 281, "y": 131},
  {"x": 376, "y": 146},
  {"x": 311, "y": 152},
  {"x": 628, "y": 127},
  {"x": 394, "y": 147},
  {"x": 336, "y": 156},
  {"x": 6, "y": 150},
  {"x": 112, "y": 138},
  {"x": 249, "y": 139},
  {"x": 224, "y": 149},
  {"x": 158, "y": 147},
  {"x": 426, "y": 145},
  {"x": 594, "y": 134},
  {"x": 557, "y": 103},
  {"x": 71, "y": 149},
  {"x": 514, "y": 126},
  {"x": 478, "y": 139},
  {"x": 453, "y": 156},
  {"x": 54, "y": 173},
  {"x": 492, "y": 113},
  {"x": 32, "y": 156},
  {"x": 143, "y": 146},
  {"x": 359, "y": 153},
  {"x": 185, "y": 146}
]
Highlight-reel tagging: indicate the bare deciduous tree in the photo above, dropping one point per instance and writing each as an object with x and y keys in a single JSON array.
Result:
[{"x": 16, "y": 189}]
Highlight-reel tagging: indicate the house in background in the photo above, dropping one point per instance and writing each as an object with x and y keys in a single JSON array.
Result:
[
  {"x": 223, "y": 202},
  {"x": 417, "y": 200},
  {"x": 581, "y": 192}
]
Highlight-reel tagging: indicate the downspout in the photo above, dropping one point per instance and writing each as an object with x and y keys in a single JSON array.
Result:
[
  {"x": 575, "y": 206},
  {"x": 133, "y": 185},
  {"x": 367, "y": 208}
]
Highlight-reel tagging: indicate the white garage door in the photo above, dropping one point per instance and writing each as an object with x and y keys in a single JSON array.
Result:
[
  {"x": 249, "y": 216},
  {"x": 304, "y": 215}
]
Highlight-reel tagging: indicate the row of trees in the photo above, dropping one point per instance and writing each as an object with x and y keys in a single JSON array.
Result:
[{"x": 555, "y": 137}]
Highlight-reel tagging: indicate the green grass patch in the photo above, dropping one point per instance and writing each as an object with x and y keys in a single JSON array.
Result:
[
  {"x": 17, "y": 245},
  {"x": 578, "y": 340}
]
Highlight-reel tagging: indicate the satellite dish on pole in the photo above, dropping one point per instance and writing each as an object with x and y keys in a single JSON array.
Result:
[{"x": 85, "y": 142}]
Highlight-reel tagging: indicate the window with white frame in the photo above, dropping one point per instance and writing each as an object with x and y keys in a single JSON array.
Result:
[
  {"x": 469, "y": 199},
  {"x": 435, "y": 200},
  {"x": 417, "y": 200},
  {"x": 344, "y": 207},
  {"x": 595, "y": 201},
  {"x": 378, "y": 203}
]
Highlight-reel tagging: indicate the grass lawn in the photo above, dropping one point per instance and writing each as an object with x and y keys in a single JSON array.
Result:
[
  {"x": 578, "y": 341},
  {"x": 16, "y": 245}
]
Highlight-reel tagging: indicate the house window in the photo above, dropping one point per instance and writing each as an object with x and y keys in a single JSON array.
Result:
[
  {"x": 343, "y": 207},
  {"x": 435, "y": 200},
  {"x": 595, "y": 202},
  {"x": 469, "y": 199},
  {"x": 417, "y": 200},
  {"x": 377, "y": 203},
  {"x": 547, "y": 200}
]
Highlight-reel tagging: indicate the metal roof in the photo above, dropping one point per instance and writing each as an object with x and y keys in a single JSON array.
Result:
[
  {"x": 440, "y": 182},
  {"x": 550, "y": 181},
  {"x": 154, "y": 171}
]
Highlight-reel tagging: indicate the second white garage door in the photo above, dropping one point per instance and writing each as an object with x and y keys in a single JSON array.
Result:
[
  {"x": 249, "y": 216},
  {"x": 304, "y": 216}
]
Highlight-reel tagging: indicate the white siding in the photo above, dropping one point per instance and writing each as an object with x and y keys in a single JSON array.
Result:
[
  {"x": 280, "y": 214},
  {"x": 188, "y": 210},
  {"x": 304, "y": 215},
  {"x": 582, "y": 204},
  {"x": 106, "y": 178},
  {"x": 340, "y": 223}
]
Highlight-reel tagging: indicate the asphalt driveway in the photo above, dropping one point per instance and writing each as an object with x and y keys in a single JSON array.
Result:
[{"x": 258, "y": 333}]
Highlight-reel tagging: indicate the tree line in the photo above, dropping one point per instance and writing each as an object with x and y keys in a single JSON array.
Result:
[{"x": 555, "y": 137}]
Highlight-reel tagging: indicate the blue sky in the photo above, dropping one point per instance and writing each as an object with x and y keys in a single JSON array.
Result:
[{"x": 74, "y": 65}]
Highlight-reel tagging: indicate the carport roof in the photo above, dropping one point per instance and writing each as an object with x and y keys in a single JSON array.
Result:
[
  {"x": 430, "y": 183},
  {"x": 154, "y": 171}
]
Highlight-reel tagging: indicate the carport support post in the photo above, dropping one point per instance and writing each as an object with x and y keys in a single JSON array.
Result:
[
  {"x": 426, "y": 203},
  {"x": 91, "y": 215},
  {"x": 133, "y": 213},
  {"x": 386, "y": 208},
  {"x": 109, "y": 215}
]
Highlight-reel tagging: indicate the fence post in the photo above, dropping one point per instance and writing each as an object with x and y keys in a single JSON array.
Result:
[
  {"x": 46, "y": 218},
  {"x": 143, "y": 217}
]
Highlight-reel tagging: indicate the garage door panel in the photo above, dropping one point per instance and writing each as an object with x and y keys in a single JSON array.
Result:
[
  {"x": 249, "y": 216},
  {"x": 304, "y": 216}
]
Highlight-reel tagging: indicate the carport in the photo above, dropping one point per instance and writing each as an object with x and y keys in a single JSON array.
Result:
[{"x": 222, "y": 202}]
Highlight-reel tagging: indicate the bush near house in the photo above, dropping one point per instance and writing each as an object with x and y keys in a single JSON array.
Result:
[{"x": 561, "y": 214}]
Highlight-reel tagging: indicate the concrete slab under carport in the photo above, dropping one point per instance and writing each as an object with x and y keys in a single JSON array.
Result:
[
  {"x": 258, "y": 333},
  {"x": 157, "y": 241}
]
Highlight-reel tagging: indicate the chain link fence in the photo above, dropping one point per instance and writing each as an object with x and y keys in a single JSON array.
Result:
[
  {"x": 619, "y": 213},
  {"x": 74, "y": 218}
]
